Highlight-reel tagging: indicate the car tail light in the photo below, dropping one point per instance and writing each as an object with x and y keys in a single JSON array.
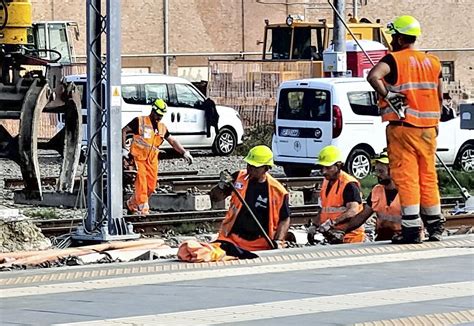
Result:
[{"x": 336, "y": 121}]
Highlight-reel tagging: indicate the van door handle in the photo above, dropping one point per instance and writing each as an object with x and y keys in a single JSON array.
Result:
[
  {"x": 284, "y": 141},
  {"x": 179, "y": 117},
  {"x": 172, "y": 117}
]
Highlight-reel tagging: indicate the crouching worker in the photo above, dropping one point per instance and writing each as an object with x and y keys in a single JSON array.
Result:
[
  {"x": 266, "y": 198},
  {"x": 340, "y": 199},
  {"x": 383, "y": 201}
]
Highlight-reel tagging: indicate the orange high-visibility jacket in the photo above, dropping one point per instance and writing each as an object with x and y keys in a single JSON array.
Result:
[
  {"x": 418, "y": 79},
  {"x": 145, "y": 145},
  {"x": 276, "y": 194},
  {"x": 332, "y": 205},
  {"x": 388, "y": 217}
]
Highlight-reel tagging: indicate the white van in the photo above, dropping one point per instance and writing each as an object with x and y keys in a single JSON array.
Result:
[
  {"x": 185, "y": 119},
  {"x": 314, "y": 113}
]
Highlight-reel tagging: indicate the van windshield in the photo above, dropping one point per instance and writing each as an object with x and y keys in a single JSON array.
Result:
[{"x": 304, "y": 104}]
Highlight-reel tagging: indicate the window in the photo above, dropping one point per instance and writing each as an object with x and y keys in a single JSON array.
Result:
[
  {"x": 187, "y": 96},
  {"x": 447, "y": 70},
  {"x": 364, "y": 103},
  {"x": 131, "y": 94},
  {"x": 155, "y": 91},
  {"x": 304, "y": 104},
  {"x": 58, "y": 41}
]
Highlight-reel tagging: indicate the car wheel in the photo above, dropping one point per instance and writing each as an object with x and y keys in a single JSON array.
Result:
[
  {"x": 465, "y": 158},
  {"x": 298, "y": 171},
  {"x": 225, "y": 142},
  {"x": 358, "y": 163}
]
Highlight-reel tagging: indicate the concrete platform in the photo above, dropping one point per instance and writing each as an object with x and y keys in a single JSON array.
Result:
[{"x": 367, "y": 284}]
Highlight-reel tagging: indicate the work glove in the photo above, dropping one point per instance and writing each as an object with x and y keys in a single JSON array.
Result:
[
  {"x": 396, "y": 101},
  {"x": 326, "y": 226},
  {"x": 225, "y": 180},
  {"x": 188, "y": 157},
  {"x": 125, "y": 153},
  {"x": 334, "y": 236}
]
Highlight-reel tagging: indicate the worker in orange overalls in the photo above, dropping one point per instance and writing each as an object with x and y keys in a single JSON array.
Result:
[
  {"x": 410, "y": 87},
  {"x": 341, "y": 198},
  {"x": 266, "y": 197},
  {"x": 383, "y": 201},
  {"x": 148, "y": 134}
]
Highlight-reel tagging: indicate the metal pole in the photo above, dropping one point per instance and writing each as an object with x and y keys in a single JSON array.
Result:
[
  {"x": 114, "y": 112},
  {"x": 243, "y": 28},
  {"x": 94, "y": 107},
  {"x": 355, "y": 8},
  {"x": 339, "y": 34},
  {"x": 166, "y": 35}
]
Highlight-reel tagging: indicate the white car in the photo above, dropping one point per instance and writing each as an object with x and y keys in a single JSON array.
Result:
[
  {"x": 185, "y": 118},
  {"x": 314, "y": 113}
]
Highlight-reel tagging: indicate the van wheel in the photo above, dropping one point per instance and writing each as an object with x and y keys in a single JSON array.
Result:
[
  {"x": 358, "y": 163},
  {"x": 465, "y": 158},
  {"x": 225, "y": 142},
  {"x": 299, "y": 171}
]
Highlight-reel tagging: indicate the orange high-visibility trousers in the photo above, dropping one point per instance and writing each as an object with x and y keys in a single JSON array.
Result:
[
  {"x": 412, "y": 154},
  {"x": 145, "y": 184}
]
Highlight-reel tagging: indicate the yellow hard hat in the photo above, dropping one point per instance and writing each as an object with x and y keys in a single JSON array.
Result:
[
  {"x": 329, "y": 156},
  {"x": 406, "y": 25},
  {"x": 259, "y": 156},
  {"x": 159, "y": 106},
  {"x": 381, "y": 158}
]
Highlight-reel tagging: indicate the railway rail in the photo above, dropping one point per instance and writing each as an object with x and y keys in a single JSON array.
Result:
[{"x": 156, "y": 224}]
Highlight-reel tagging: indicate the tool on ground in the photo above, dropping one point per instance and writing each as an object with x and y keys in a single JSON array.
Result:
[
  {"x": 225, "y": 175},
  {"x": 469, "y": 200}
]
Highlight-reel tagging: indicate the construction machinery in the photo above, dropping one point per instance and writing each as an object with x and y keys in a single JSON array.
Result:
[
  {"x": 292, "y": 50},
  {"x": 32, "y": 83}
]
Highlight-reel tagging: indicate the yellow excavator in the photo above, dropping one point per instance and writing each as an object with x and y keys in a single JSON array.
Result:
[
  {"x": 32, "y": 83},
  {"x": 291, "y": 50}
]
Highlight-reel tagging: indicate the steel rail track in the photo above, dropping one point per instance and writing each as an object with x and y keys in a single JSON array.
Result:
[{"x": 159, "y": 223}]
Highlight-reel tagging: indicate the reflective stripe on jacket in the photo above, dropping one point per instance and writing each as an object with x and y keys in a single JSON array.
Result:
[
  {"x": 145, "y": 145},
  {"x": 388, "y": 217},
  {"x": 332, "y": 205},
  {"x": 276, "y": 194},
  {"x": 418, "y": 79}
]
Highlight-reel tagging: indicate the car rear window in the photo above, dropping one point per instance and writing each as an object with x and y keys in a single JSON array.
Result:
[
  {"x": 304, "y": 104},
  {"x": 364, "y": 103}
]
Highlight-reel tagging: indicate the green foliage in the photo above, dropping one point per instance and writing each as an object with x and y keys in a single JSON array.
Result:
[
  {"x": 259, "y": 135},
  {"x": 42, "y": 213},
  {"x": 447, "y": 186}
]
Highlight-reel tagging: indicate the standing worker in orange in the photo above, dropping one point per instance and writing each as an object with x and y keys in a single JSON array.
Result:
[
  {"x": 148, "y": 134},
  {"x": 410, "y": 87},
  {"x": 341, "y": 198}
]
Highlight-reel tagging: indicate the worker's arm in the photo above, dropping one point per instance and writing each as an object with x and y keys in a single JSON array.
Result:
[
  {"x": 282, "y": 230},
  {"x": 125, "y": 131},
  {"x": 351, "y": 211},
  {"x": 378, "y": 72},
  {"x": 175, "y": 144},
  {"x": 440, "y": 94},
  {"x": 358, "y": 220}
]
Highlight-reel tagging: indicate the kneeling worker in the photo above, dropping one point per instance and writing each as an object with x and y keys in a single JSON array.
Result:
[
  {"x": 265, "y": 196},
  {"x": 383, "y": 201},
  {"x": 340, "y": 196}
]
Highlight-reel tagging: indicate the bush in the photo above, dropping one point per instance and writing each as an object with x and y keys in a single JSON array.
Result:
[{"x": 260, "y": 135}]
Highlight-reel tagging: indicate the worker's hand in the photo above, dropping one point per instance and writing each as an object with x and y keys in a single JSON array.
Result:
[
  {"x": 125, "y": 153},
  {"x": 334, "y": 236},
  {"x": 396, "y": 101},
  {"x": 225, "y": 180},
  {"x": 278, "y": 244},
  {"x": 328, "y": 224},
  {"x": 188, "y": 157}
]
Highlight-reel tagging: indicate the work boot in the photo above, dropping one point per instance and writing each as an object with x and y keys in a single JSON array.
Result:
[
  {"x": 435, "y": 226},
  {"x": 408, "y": 235}
]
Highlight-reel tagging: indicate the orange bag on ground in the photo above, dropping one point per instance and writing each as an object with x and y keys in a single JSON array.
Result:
[{"x": 193, "y": 251}]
